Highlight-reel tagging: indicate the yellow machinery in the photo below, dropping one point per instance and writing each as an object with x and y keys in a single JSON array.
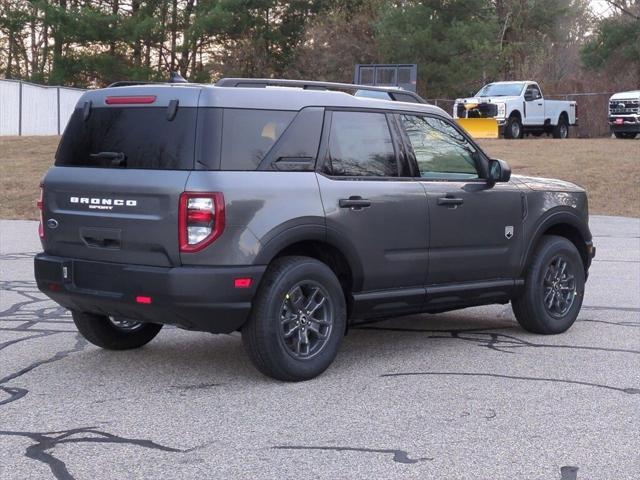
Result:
[{"x": 479, "y": 127}]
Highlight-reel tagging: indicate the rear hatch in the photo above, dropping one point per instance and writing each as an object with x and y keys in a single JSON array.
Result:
[{"x": 122, "y": 163}]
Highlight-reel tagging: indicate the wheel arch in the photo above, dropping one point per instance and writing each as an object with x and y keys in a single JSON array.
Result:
[
  {"x": 312, "y": 241},
  {"x": 564, "y": 114},
  {"x": 515, "y": 113},
  {"x": 563, "y": 223}
]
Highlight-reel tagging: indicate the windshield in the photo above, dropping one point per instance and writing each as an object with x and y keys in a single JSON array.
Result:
[{"x": 501, "y": 90}]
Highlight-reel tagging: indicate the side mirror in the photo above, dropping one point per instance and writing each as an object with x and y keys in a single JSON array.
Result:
[
  {"x": 528, "y": 96},
  {"x": 499, "y": 171}
]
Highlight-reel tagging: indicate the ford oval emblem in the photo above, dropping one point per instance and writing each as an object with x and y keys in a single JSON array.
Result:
[{"x": 52, "y": 223}]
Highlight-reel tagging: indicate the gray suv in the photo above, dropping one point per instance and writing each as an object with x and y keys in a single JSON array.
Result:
[{"x": 290, "y": 214}]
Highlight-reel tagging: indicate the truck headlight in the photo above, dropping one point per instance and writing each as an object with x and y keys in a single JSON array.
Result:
[{"x": 502, "y": 110}]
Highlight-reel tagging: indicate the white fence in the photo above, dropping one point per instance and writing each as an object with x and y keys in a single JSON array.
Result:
[{"x": 29, "y": 109}]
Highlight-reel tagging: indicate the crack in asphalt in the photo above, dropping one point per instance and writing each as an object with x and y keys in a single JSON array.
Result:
[
  {"x": 618, "y": 324},
  {"x": 46, "y": 441},
  {"x": 620, "y": 309},
  {"x": 499, "y": 342},
  {"x": 80, "y": 344},
  {"x": 399, "y": 456},
  {"x": 629, "y": 390},
  {"x": 33, "y": 315},
  {"x": 8, "y": 343},
  {"x": 199, "y": 386},
  {"x": 14, "y": 393},
  {"x": 26, "y": 310}
]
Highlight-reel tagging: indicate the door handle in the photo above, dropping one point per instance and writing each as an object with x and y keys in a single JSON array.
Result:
[
  {"x": 450, "y": 201},
  {"x": 110, "y": 243},
  {"x": 101, "y": 237},
  {"x": 539, "y": 104},
  {"x": 355, "y": 202}
]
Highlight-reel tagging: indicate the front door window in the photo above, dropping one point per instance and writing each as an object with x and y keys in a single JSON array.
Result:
[{"x": 440, "y": 150}]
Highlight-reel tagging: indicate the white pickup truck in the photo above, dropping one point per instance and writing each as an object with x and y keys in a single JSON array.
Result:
[
  {"x": 624, "y": 114},
  {"x": 519, "y": 108}
]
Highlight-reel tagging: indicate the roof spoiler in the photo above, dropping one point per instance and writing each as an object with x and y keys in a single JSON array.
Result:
[
  {"x": 174, "y": 77},
  {"x": 396, "y": 94}
]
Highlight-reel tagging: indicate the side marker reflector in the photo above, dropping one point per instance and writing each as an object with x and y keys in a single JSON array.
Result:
[
  {"x": 242, "y": 282},
  {"x": 143, "y": 300}
]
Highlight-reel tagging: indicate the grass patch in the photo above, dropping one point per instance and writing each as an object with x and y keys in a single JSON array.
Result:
[
  {"x": 23, "y": 162},
  {"x": 608, "y": 168}
]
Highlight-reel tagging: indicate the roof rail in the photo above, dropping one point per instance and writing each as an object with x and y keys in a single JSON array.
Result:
[{"x": 395, "y": 93}]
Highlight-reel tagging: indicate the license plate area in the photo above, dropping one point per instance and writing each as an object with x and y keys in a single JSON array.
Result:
[{"x": 102, "y": 277}]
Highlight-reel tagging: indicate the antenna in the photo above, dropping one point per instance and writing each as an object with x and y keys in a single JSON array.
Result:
[{"x": 175, "y": 77}]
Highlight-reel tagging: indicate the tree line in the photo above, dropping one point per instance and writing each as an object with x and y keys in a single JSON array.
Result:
[{"x": 457, "y": 44}]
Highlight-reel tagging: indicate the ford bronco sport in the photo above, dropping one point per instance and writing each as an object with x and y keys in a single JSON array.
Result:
[{"x": 289, "y": 214}]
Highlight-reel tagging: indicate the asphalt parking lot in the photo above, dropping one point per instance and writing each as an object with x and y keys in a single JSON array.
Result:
[{"x": 460, "y": 395}]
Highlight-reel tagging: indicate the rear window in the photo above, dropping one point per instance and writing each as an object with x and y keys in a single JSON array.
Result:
[
  {"x": 248, "y": 135},
  {"x": 129, "y": 137},
  {"x": 360, "y": 145}
]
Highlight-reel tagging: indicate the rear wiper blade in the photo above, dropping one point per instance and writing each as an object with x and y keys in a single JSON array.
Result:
[{"x": 118, "y": 159}]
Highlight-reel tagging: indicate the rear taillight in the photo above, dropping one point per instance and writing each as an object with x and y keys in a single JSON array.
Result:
[
  {"x": 40, "y": 205},
  {"x": 200, "y": 220}
]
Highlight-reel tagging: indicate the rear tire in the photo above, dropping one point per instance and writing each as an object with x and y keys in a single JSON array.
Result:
[
  {"x": 561, "y": 130},
  {"x": 554, "y": 288},
  {"x": 104, "y": 331},
  {"x": 625, "y": 135},
  {"x": 513, "y": 129},
  {"x": 288, "y": 336}
]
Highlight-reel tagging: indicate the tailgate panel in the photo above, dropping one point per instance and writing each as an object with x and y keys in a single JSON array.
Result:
[{"x": 113, "y": 215}]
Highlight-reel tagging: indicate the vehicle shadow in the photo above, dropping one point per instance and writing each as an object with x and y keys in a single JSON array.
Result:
[{"x": 192, "y": 360}]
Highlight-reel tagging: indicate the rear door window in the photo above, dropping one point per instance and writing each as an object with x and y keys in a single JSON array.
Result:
[
  {"x": 248, "y": 135},
  {"x": 129, "y": 137},
  {"x": 360, "y": 145}
]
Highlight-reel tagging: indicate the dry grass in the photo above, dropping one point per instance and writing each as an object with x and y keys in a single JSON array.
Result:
[
  {"x": 609, "y": 169},
  {"x": 23, "y": 163}
]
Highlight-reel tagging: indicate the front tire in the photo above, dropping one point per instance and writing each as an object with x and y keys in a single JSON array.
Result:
[
  {"x": 513, "y": 129},
  {"x": 114, "y": 333},
  {"x": 297, "y": 321},
  {"x": 554, "y": 288}
]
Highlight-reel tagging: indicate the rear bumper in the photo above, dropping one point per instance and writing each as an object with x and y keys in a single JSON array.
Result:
[{"x": 195, "y": 298}]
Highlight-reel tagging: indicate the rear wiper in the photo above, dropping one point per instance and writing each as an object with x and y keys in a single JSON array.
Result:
[{"x": 118, "y": 159}]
